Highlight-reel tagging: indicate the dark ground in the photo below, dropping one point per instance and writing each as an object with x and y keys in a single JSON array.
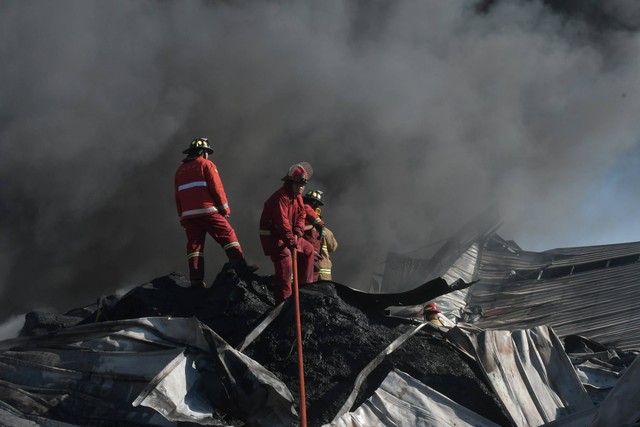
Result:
[{"x": 339, "y": 339}]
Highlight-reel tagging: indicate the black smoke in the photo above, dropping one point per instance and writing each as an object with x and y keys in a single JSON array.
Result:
[{"x": 414, "y": 114}]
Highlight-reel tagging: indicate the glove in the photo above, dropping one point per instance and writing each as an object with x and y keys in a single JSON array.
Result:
[{"x": 293, "y": 243}]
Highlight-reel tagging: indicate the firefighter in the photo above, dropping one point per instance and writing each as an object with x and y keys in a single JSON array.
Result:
[
  {"x": 432, "y": 314},
  {"x": 203, "y": 208},
  {"x": 281, "y": 230},
  {"x": 313, "y": 229},
  {"x": 319, "y": 235}
]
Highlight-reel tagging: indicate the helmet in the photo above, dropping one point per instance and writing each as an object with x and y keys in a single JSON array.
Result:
[
  {"x": 198, "y": 144},
  {"x": 299, "y": 172},
  {"x": 314, "y": 196},
  {"x": 432, "y": 308}
]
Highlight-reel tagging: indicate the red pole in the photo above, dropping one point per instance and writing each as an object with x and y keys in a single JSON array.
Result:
[{"x": 303, "y": 405}]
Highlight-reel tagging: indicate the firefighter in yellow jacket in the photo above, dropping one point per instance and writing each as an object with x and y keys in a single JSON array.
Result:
[{"x": 328, "y": 242}]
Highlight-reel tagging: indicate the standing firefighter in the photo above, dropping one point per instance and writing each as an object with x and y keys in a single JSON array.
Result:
[
  {"x": 319, "y": 235},
  {"x": 203, "y": 208},
  {"x": 281, "y": 230}
]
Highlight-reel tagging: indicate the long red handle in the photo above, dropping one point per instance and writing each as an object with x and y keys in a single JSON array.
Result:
[{"x": 303, "y": 405}]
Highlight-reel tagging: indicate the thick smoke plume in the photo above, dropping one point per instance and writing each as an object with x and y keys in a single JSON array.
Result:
[{"x": 415, "y": 115}]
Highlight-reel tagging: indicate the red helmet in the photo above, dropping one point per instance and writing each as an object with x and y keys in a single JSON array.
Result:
[
  {"x": 299, "y": 172},
  {"x": 432, "y": 308}
]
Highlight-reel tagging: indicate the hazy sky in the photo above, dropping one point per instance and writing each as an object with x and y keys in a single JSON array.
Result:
[{"x": 415, "y": 115}]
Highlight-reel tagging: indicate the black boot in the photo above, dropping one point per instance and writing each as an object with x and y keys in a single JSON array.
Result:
[
  {"x": 198, "y": 284},
  {"x": 240, "y": 266}
]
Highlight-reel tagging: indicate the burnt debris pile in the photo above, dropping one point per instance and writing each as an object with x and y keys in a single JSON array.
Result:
[{"x": 339, "y": 339}]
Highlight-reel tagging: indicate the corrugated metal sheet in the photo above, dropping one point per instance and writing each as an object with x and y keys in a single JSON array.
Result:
[
  {"x": 529, "y": 372},
  {"x": 600, "y": 302},
  {"x": 591, "y": 291},
  {"x": 453, "y": 304}
]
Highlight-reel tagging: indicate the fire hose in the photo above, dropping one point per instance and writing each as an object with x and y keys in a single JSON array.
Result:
[{"x": 303, "y": 406}]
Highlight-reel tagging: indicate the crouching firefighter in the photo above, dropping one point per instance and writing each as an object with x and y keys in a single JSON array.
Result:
[
  {"x": 203, "y": 208},
  {"x": 281, "y": 230}
]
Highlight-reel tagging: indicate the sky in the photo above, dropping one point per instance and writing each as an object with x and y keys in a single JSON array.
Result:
[{"x": 415, "y": 115}]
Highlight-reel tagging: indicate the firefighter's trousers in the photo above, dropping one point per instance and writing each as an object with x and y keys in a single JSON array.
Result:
[
  {"x": 283, "y": 266},
  {"x": 219, "y": 228}
]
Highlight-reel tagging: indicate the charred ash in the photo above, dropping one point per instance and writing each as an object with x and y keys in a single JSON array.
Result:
[{"x": 339, "y": 339}]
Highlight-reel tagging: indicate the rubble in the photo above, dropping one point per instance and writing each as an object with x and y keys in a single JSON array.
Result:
[{"x": 339, "y": 339}]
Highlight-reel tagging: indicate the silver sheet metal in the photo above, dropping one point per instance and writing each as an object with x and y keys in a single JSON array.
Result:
[
  {"x": 401, "y": 400},
  {"x": 589, "y": 291},
  {"x": 529, "y": 372},
  {"x": 139, "y": 369},
  {"x": 620, "y": 408},
  {"x": 600, "y": 304}
]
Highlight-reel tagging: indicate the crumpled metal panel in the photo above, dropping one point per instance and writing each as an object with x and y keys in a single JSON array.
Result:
[
  {"x": 402, "y": 400},
  {"x": 93, "y": 373},
  {"x": 620, "y": 408},
  {"x": 529, "y": 372}
]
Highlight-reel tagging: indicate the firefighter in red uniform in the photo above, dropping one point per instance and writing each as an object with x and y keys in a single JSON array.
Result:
[
  {"x": 203, "y": 208},
  {"x": 281, "y": 230}
]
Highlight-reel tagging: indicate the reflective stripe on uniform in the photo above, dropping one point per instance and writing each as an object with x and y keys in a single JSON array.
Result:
[
  {"x": 317, "y": 220},
  {"x": 230, "y": 245},
  {"x": 325, "y": 271},
  {"x": 194, "y": 254},
  {"x": 192, "y": 184},
  {"x": 265, "y": 232},
  {"x": 199, "y": 211},
  {"x": 225, "y": 206}
]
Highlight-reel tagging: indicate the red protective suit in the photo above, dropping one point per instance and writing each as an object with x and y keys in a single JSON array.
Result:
[
  {"x": 281, "y": 226},
  {"x": 202, "y": 207}
]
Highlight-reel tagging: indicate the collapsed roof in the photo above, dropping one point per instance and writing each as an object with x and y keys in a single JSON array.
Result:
[{"x": 526, "y": 345}]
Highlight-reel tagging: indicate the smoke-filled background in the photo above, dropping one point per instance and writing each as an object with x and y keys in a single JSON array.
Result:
[{"x": 416, "y": 115}]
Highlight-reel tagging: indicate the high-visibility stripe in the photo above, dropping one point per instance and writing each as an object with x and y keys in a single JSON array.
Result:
[
  {"x": 230, "y": 245},
  {"x": 317, "y": 220},
  {"x": 225, "y": 206},
  {"x": 265, "y": 232},
  {"x": 325, "y": 271},
  {"x": 199, "y": 211},
  {"x": 194, "y": 254},
  {"x": 192, "y": 184},
  {"x": 324, "y": 247}
]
